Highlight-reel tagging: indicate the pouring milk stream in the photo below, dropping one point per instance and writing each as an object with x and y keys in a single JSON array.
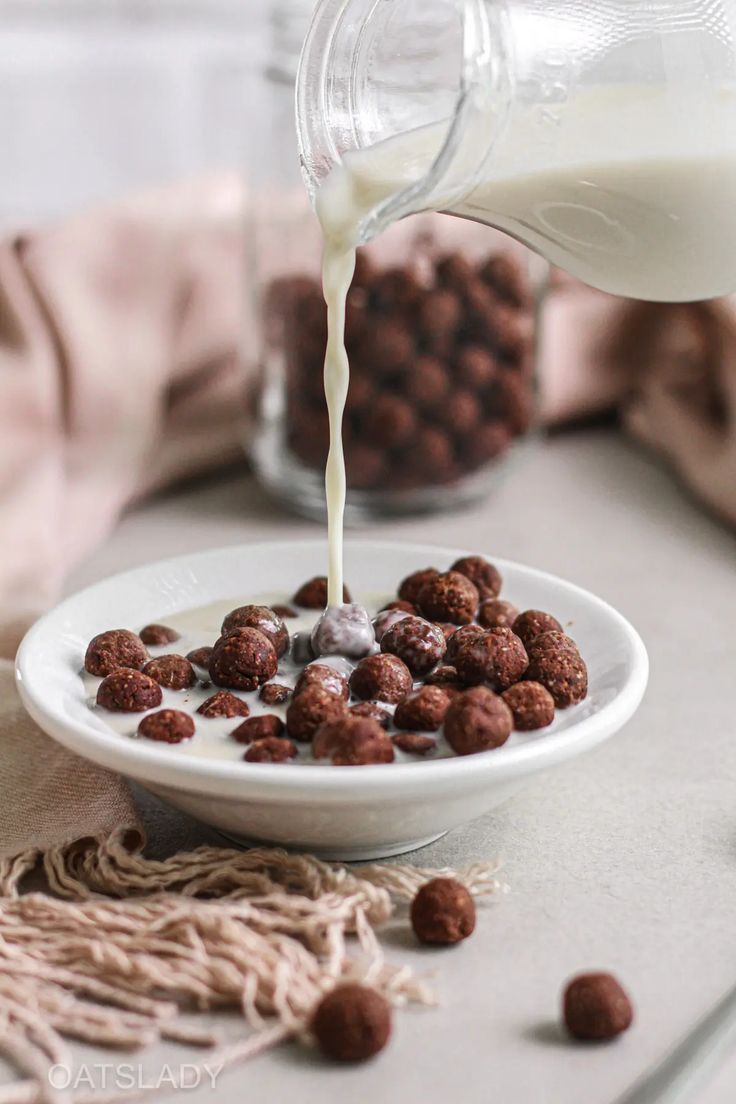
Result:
[{"x": 625, "y": 204}]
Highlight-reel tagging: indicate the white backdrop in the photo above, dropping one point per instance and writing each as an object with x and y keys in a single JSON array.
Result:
[{"x": 101, "y": 96}]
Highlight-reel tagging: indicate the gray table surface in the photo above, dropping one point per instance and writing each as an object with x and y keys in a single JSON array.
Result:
[{"x": 625, "y": 859}]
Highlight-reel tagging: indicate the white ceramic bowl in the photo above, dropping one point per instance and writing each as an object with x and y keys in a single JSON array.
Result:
[{"x": 334, "y": 812}]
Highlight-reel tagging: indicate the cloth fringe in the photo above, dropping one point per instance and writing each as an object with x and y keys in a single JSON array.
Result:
[{"x": 125, "y": 946}]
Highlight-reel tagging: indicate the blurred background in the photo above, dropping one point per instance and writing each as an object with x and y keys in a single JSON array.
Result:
[{"x": 102, "y": 97}]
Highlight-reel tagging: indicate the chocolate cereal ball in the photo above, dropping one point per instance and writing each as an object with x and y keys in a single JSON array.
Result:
[
  {"x": 274, "y": 694},
  {"x": 532, "y": 706},
  {"x": 352, "y": 741},
  {"x": 495, "y": 613},
  {"x": 382, "y": 678},
  {"x": 270, "y": 749},
  {"x": 532, "y": 623},
  {"x": 352, "y": 1023},
  {"x": 459, "y": 639},
  {"x": 168, "y": 726},
  {"x": 555, "y": 662},
  {"x": 449, "y": 597},
  {"x": 243, "y": 660},
  {"x": 497, "y": 658},
  {"x": 424, "y": 710},
  {"x": 127, "y": 691},
  {"x": 283, "y": 611},
  {"x": 313, "y": 594},
  {"x": 173, "y": 672},
  {"x": 308, "y": 709},
  {"x": 443, "y": 912},
  {"x": 596, "y": 1007},
  {"x": 412, "y": 584},
  {"x": 157, "y": 635},
  {"x": 344, "y": 630},
  {"x": 114, "y": 649},
  {"x": 447, "y": 679},
  {"x": 262, "y": 727},
  {"x": 554, "y": 640},
  {"x": 385, "y": 619},
  {"x": 414, "y": 743},
  {"x": 224, "y": 704},
  {"x": 399, "y": 604},
  {"x": 301, "y": 648},
  {"x": 200, "y": 657},
  {"x": 477, "y": 720},
  {"x": 262, "y": 618},
  {"x": 390, "y": 422},
  {"x": 420, "y": 644},
  {"x": 373, "y": 710},
  {"x": 325, "y": 677},
  {"x": 485, "y": 577}
]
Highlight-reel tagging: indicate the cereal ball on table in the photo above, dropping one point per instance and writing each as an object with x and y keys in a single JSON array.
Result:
[
  {"x": 381, "y": 677},
  {"x": 411, "y": 586},
  {"x": 168, "y": 726},
  {"x": 158, "y": 635},
  {"x": 532, "y": 623},
  {"x": 325, "y": 677},
  {"x": 262, "y": 618},
  {"x": 351, "y": 741},
  {"x": 443, "y": 912},
  {"x": 309, "y": 709},
  {"x": 173, "y": 672},
  {"x": 532, "y": 706},
  {"x": 556, "y": 663},
  {"x": 449, "y": 597},
  {"x": 352, "y": 1023},
  {"x": 484, "y": 576},
  {"x": 224, "y": 704},
  {"x": 111, "y": 650},
  {"x": 420, "y": 644},
  {"x": 313, "y": 594},
  {"x": 243, "y": 660},
  {"x": 126, "y": 691},
  {"x": 596, "y": 1007},
  {"x": 497, "y": 658},
  {"x": 424, "y": 710},
  {"x": 477, "y": 720}
]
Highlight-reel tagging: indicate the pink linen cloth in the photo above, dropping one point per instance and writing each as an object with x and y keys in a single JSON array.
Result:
[
  {"x": 119, "y": 333},
  {"x": 119, "y": 372}
]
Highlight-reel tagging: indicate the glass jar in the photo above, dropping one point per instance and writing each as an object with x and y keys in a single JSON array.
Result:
[{"x": 441, "y": 324}]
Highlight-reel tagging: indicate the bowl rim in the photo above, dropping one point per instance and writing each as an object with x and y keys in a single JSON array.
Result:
[{"x": 201, "y": 775}]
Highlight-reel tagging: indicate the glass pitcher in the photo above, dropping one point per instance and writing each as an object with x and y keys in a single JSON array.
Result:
[
  {"x": 441, "y": 333},
  {"x": 601, "y": 133}
]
